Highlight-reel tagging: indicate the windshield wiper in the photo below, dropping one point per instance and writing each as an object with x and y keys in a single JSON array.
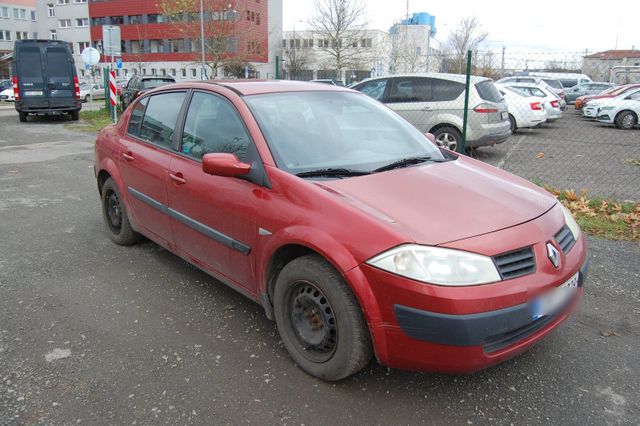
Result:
[
  {"x": 332, "y": 173},
  {"x": 409, "y": 162}
]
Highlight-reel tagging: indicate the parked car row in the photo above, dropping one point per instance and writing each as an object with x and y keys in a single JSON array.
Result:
[{"x": 621, "y": 110}]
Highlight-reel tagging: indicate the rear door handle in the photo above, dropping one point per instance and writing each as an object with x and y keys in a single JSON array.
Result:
[
  {"x": 178, "y": 178},
  {"x": 127, "y": 156}
]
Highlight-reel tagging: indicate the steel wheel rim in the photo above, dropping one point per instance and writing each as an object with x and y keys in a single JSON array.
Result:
[
  {"x": 628, "y": 121},
  {"x": 114, "y": 211},
  {"x": 446, "y": 140},
  {"x": 312, "y": 320}
]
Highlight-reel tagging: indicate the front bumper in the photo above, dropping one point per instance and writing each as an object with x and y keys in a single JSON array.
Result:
[
  {"x": 418, "y": 326},
  {"x": 604, "y": 118}
]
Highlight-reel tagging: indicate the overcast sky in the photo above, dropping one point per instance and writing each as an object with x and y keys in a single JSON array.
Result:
[{"x": 559, "y": 25}]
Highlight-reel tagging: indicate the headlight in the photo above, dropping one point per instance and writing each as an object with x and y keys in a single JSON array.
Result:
[
  {"x": 606, "y": 108},
  {"x": 437, "y": 265},
  {"x": 571, "y": 222}
]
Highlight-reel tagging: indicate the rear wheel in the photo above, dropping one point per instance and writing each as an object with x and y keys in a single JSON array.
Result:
[
  {"x": 115, "y": 216},
  {"x": 320, "y": 320},
  {"x": 75, "y": 115},
  {"x": 22, "y": 116},
  {"x": 626, "y": 120},
  {"x": 87, "y": 98},
  {"x": 512, "y": 123},
  {"x": 448, "y": 137}
]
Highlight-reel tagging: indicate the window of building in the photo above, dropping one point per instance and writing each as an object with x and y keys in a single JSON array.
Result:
[
  {"x": 16, "y": 13},
  {"x": 83, "y": 45},
  {"x": 176, "y": 45},
  {"x": 53, "y": 34},
  {"x": 253, "y": 47},
  {"x": 64, "y": 23},
  {"x": 294, "y": 43},
  {"x": 79, "y": 1},
  {"x": 154, "y": 46},
  {"x": 33, "y": 15},
  {"x": 135, "y": 46},
  {"x": 284, "y": 42},
  {"x": 163, "y": 72},
  {"x": 135, "y": 19},
  {"x": 366, "y": 42},
  {"x": 160, "y": 118},
  {"x": 323, "y": 42},
  {"x": 51, "y": 11},
  {"x": 307, "y": 42},
  {"x": 144, "y": 71},
  {"x": 63, "y": 2},
  {"x": 153, "y": 71},
  {"x": 194, "y": 73},
  {"x": 23, "y": 13},
  {"x": 82, "y": 22},
  {"x": 4, "y": 12},
  {"x": 183, "y": 72},
  {"x": 155, "y": 19},
  {"x": 173, "y": 72},
  {"x": 5, "y": 35},
  {"x": 257, "y": 18},
  {"x": 117, "y": 20}
]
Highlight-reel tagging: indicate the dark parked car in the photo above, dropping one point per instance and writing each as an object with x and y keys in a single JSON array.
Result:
[
  {"x": 137, "y": 85},
  {"x": 45, "y": 76},
  {"x": 350, "y": 226},
  {"x": 585, "y": 89}
]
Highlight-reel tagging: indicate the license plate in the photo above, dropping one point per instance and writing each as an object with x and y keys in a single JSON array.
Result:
[
  {"x": 555, "y": 299},
  {"x": 504, "y": 115},
  {"x": 33, "y": 93}
]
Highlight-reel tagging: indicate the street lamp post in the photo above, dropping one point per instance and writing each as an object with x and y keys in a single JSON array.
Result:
[{"x": 203, "y": 70}]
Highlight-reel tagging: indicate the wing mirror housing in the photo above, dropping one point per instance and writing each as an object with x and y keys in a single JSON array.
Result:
[
  {"x": 227, "y": 165},
  {"x": 431, "y": 138}
]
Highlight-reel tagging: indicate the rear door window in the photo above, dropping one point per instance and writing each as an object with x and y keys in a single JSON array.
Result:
[
  {"x": 136, "y": 117},
  {"x": 160, "y": 117},
  {"x": 58, "y": 64},
  {"x": 411, "y": 90},
  {"x": 488, "y": 91},
  {"x": 446, "y": 90},
  {"x": 30, "y": 61},
  {"x": 374, "y": 89}
]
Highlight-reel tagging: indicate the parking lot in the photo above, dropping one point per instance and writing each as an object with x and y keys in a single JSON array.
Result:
[{"x": 91, "y": 332}]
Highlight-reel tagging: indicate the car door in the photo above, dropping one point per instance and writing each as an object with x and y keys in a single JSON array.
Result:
[
  {"x": 412, "y": 98},
  {"x": 31, "y": 76},
  {"x": 214, "y": 217},
  {"x": 59, "y": 77},
  {"x": 145, "y": 154}
]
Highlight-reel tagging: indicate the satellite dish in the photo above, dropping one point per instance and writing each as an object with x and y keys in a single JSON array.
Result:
[{"x": 90, "y": 56}]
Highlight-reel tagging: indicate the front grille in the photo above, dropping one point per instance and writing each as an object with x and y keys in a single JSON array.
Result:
[
  {"x": 516, "y": 263},
  {"x": 495, "y": 343},
  {"x": 565, "y": 239}
]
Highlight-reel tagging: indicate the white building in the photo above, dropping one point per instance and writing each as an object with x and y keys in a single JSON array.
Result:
[
  {"x": 17, "y": 22},
  {"x": 308, "y": 55},
  {"x": 414, "y": 48}
]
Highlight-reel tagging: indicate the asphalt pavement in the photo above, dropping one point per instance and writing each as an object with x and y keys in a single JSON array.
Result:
[{"x": 94, "y": 333}]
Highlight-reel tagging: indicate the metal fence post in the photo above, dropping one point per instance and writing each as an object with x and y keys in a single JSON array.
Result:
[{"x": 463, "y": 146}]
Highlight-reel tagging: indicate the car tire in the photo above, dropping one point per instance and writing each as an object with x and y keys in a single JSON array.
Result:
[
  {"x": 448, "y": 137},
  {"x": 115, "y": 216},
  {"x": 22, "y": 116},
  {"x": 319, "y": 320},
  {"x": 512, "y": 123},
  {"x": 87, "y": 98},
  {"x": 626, "y": 120},
  {"x": 75, "y": 115}
]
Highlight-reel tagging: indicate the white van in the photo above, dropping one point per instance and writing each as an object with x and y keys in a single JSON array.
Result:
[{"x": 566, "y": 78}]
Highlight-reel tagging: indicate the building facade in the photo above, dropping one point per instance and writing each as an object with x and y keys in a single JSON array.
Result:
[
  {"x": 308, "y": 55},
  {"x": 413, "y": 46},
  {"x": 17, "y": 21},
  {"x": 616, "y": 66},
  {"x": 240, "y": 37}
]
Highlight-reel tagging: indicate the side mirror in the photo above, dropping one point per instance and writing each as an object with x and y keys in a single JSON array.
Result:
[{"x": 224, "y": 165}]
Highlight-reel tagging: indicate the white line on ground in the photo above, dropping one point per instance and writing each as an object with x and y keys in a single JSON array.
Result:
[{"x": 508, "y": 154}]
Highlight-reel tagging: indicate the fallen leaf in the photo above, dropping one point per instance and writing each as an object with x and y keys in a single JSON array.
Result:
[
  {"x": 608, "y": 333},
  {"x": 540, "y": 155}
]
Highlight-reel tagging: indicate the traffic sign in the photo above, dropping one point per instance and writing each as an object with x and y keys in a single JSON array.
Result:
[
  {"x": 119, "y": 62},
  {"x": 111, "y": 44},
  {"x": 90, "y": 56}
]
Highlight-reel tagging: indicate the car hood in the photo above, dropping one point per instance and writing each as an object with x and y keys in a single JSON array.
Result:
[{"x": 438, "y": 203}]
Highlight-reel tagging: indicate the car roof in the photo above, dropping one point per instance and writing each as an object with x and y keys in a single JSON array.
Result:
[
  {"x": 444, "y": 76},
  {"x": 256, "y": 87}
]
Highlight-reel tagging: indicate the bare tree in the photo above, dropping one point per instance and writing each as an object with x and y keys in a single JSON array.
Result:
[
  {"x": 221, "y": 29},
  {"x": 339, "y": 24},
  {"x": 297, "y": 60},
  {"x": 467, "y": 36}
]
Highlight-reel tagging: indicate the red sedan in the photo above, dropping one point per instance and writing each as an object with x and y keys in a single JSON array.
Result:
[{"x": 356, "y": 234}]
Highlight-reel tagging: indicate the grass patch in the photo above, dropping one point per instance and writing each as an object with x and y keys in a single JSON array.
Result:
[
  {"x": 601, "y": 217},
  {"x": 92, "y": 121}
]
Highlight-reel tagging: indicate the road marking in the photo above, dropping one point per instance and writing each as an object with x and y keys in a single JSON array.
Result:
[{"x": 508, "y": 154}]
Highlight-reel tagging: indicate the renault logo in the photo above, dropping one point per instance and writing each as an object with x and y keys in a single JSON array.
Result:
[{"x": 554, "y": 255}]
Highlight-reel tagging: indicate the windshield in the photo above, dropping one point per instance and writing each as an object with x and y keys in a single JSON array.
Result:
[
  {"x": 309, "y": 131},
  {"x": 553, "y": 83},
  {"x": 152, "y": 83},
  {"x": 568, "y": 83}
]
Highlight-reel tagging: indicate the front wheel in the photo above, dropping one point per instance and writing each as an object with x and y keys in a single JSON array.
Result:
[
  {"x": 115, "y": 216},
  {"x": 320, "y": 320},
  {"x": 448, "y": 137},
  {"x": 626, "y": 120}
]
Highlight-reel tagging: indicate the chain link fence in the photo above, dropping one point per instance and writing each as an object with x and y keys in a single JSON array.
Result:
[{"x": 531, "y": 118}]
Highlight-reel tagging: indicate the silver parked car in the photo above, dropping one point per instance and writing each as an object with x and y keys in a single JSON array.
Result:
[
  {"x": 551, "y": 101},
  {"x": 584, "y": 89},
  {"x": 435, "y": 103}
]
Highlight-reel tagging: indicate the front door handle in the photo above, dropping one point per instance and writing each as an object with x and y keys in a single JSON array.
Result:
[
  {"x": 178, "y": 178},
  {"x": 127, "y": 156}
]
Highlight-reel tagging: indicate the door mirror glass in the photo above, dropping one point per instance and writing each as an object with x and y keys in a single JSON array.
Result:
[{"x": 221, "y": 164}]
